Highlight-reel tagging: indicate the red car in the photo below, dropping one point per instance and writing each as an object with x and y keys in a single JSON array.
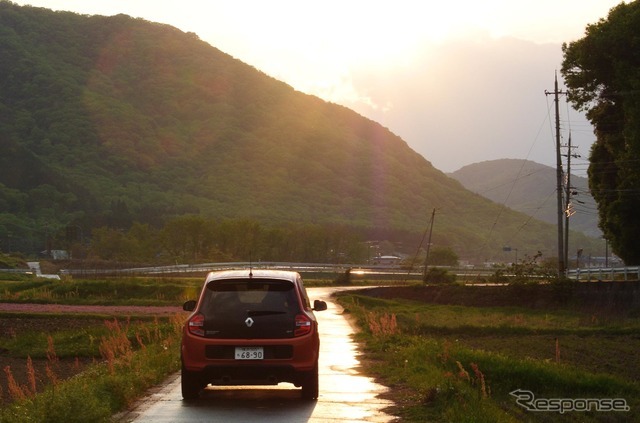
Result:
[{"x": 251, "y": 327}]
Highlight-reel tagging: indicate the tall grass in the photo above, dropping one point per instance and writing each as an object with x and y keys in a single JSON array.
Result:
[
  {"x": 79, "y": 340},
  {"x": 125, "y": 371}
]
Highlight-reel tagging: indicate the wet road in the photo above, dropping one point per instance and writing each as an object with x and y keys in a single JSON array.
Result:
[{"x": 345, "y": 394}]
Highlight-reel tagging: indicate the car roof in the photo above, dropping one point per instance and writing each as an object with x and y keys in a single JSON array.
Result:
[{"x": 253, "y": 273}]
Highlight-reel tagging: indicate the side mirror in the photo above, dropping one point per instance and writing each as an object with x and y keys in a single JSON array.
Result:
[
  {"x": 319, "y": 305},
  {"x": 189, "y": 305}
]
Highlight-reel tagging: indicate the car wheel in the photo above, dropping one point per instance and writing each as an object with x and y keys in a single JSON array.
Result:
[
  {"x": 191, "y": 384},
  {"x": 310, "y": 384}
]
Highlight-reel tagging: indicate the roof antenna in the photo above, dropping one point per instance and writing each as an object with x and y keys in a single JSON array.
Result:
[{"x": 250, "y": 266}]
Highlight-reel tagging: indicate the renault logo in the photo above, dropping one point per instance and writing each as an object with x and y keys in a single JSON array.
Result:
[{"x": 249, "y": 322}]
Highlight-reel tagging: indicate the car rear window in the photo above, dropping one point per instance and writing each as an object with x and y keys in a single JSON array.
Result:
[
  {"x": 271, "y": 304},
  {"x": 252, "y": 294}
]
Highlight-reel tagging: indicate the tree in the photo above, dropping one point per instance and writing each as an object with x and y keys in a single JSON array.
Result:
[
  {"x": 602, "y": 72},
  {"x": 112, "y": 244},
  {"x": 187, "y": 237},
  {"x": 443, "y": 256}
]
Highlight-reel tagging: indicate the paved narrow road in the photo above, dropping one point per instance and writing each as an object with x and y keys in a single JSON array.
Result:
[{"x": 345, "y": 394}]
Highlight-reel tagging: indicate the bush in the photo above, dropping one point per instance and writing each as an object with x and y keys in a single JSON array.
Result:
[
  {"x": 437, "y": 275},
  {"x": 344, "y": 278}
]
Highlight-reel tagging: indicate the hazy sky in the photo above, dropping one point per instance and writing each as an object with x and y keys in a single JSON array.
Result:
[{"x": 460, "y": 81}]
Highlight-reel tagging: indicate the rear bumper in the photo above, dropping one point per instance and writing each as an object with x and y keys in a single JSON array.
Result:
[
  {"x": 285, "y": 359},
  {"x": 251, "y": 375}
]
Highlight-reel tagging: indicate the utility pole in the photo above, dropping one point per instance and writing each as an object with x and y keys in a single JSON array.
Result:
[
  {"x": 561, "y": 257},
  {"x": 569, "y": 210},
  {"x": 426, "y": 259}
]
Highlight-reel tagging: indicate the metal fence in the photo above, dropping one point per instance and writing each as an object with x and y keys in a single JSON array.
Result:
[
  {"x": 203, "y": 268},
  {"x": 605, "y": 273}
]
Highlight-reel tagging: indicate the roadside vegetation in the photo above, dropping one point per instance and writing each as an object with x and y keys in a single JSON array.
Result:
[
  {"x": 85, "y": 367},
  {"x": 87, "y": 373},
  {"x": 460, "y": 363}
]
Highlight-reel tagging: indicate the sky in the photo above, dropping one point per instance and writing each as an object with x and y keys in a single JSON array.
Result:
[{"x": 461, "y": 82}]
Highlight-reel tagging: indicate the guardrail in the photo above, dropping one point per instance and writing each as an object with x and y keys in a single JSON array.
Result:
[
  {"x": 585, "y": 274},
  {"x": 605, "y": 273},
  {"x": 208, "y": 267},
  {"x": 191, "y": 268}
]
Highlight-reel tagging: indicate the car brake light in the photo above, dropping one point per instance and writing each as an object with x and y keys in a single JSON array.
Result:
[
  {"x": 196, "y": 324},
  {"x": 303, "y": 325}
]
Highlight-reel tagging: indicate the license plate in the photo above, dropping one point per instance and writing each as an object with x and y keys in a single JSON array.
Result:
[{"x": 249, "y": 353}]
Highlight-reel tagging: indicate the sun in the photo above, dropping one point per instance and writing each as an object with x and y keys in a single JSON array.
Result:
[{"x": 331, "y": 32}]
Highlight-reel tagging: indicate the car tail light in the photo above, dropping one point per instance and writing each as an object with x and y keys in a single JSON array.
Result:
[
  {"x": 196, "y": 324},
  {"x": 303, "y": 325}
]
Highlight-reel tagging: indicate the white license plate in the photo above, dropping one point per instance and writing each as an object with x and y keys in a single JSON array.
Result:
[{"x": 249, "y": 353}]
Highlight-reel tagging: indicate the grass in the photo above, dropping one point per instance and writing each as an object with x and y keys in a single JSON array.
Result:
[
  {"x": 108, "y": 291},
  {"x": 457, "y": 363},
  {"x": 126, "y": 358},
  {"x": 134, "y": 291},
  {"x": 80, "y": 340}
]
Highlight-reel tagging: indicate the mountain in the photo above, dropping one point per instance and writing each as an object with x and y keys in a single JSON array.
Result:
[
  {"x": 106, "y": 121},
  {"x": 530, "y": 188}
]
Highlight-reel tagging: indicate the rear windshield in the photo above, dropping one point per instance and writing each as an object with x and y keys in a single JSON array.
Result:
[{"x": 229, "y": 296}]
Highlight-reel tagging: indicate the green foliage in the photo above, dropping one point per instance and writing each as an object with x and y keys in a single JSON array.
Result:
[
  {"x": 109, "y": 121},
  {"x": 528, "y": 270},
  {"x": 439, "y": 275},
  {"x": 344, "y": 278},
  {"x": 531, "y": 269},
  {"x": 443, "y": 256},
  {"x": 602, "y": 71},
  {"x": 68, "y": 343},
  {"x": 11, "y": 262},
  {"x": 191, "y": 238}
]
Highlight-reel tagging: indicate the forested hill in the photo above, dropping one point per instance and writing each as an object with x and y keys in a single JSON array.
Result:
[{"x": 105, "y": 121}]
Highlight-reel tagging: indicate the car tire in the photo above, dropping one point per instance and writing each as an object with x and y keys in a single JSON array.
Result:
[
  {"x": 310, "y": 384},
  {"x": 190, "y": 383}
]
